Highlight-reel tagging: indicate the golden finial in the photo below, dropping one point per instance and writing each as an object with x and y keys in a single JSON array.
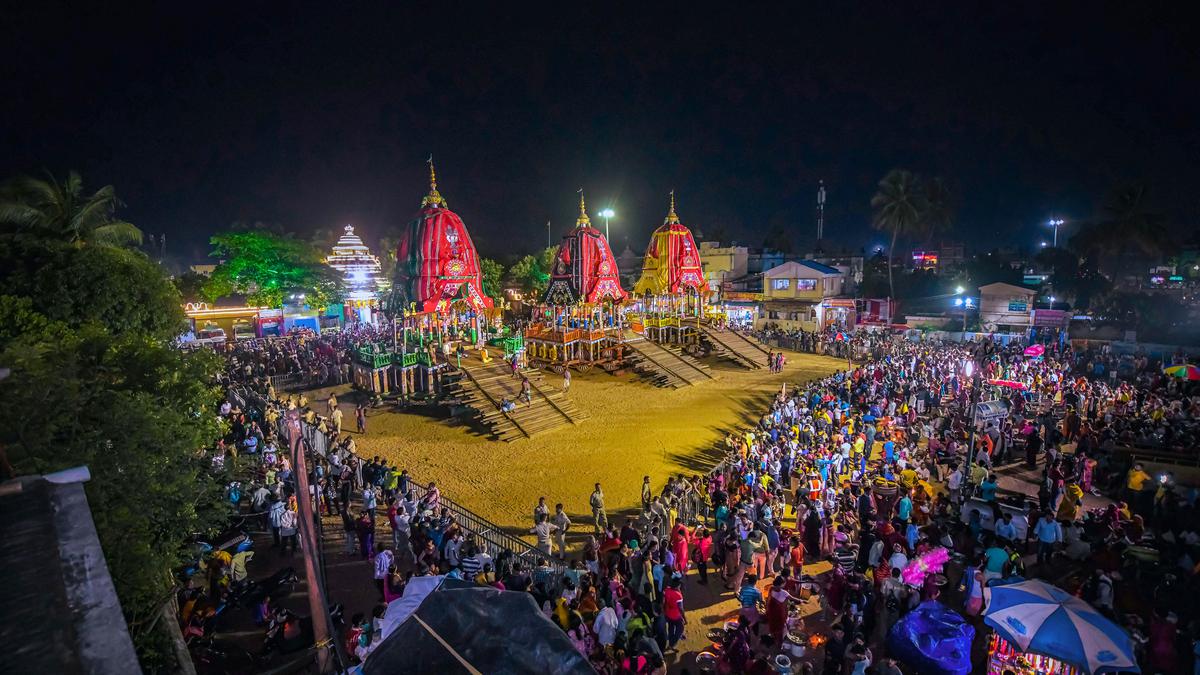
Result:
[
  {"x": 434, "y": 198},
  {"x": 583, "y": 216},
  {"x": 672, "y": 219}
]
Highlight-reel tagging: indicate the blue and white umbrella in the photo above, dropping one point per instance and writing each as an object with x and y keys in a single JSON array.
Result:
[{"x": 1044, "y": 619}]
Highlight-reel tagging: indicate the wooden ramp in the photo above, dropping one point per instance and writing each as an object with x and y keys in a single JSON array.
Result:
[
  {"x": 666, "y": 367},
  {"x": 484, "y": 385},
  {"x": 741, "y": 349}
]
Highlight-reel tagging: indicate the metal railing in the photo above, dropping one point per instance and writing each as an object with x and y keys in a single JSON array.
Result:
[
  {"x": 491, "y": 537},
  {"x": 289, "y": 381}
]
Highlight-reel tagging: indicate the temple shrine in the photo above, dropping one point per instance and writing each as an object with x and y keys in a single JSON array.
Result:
[
  {"x": 579, "y": 321},
  {"x": 672, "y": 288}
]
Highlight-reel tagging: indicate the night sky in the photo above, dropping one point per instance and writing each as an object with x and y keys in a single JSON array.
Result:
[{"x": 319, "y": 116}]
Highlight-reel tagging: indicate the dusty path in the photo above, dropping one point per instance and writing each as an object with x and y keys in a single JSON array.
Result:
[{"x": 634, "y": 430}]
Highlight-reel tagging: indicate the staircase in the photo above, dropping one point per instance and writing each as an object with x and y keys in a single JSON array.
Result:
[
  {"x": 484, "y": 385},
  {"x": 741, "y": 349},
  {"x": 664, "y": 366}
]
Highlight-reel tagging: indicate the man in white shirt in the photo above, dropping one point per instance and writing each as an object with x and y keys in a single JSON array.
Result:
[
  {"x": 954, "y": 484},
  {"x": 383, "y": 561}
]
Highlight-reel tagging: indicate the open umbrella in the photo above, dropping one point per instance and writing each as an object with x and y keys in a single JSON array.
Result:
[
  {"x": 1045, "y": 619},
  {"x": 1011, "y": 384},
  {"x": 1186, "y": 371},
  {"x": 1035, "y": 350}
]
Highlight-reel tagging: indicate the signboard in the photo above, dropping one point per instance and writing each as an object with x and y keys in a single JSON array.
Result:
[
  {"x": 990, "y": 411},
  {"x": 741, "y": 296},
  {"x": 1018, "y": 306},
  {"x": 1056, "y": 318}
]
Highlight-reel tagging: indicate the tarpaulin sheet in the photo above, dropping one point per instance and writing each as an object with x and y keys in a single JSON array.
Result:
[
  {"x": 485, "y": 629},
  {"x": 932, "y": 638}
]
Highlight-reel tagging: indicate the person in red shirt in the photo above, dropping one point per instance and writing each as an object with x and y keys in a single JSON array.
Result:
[
  {"x": 673, "y": 613},
  {"x": 796, "y": 557},
  {"x": 702, "y": 551}
]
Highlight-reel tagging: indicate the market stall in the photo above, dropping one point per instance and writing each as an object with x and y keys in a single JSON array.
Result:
[{"x": 1043, "y": 630}]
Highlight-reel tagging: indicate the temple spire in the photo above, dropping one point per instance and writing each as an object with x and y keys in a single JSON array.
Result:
[
  {"x": 583, "y": 216},
  {"x": 672, "y": 219},
  {"x": 434, "y": 198}
]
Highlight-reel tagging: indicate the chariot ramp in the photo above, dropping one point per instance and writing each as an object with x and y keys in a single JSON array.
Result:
[
  {"x": 737, "y": 347},
  {"x": 485, "y": 385},
  {"x": 664, "y": 366}
]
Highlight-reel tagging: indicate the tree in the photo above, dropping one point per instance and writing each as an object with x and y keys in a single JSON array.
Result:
[
  {"x": 121, "y": 290},
  {"x": 1127, "y": 226},
  {"x": 190, "y": 285},
  {"x": 268, "y": 268},
  {"x": 899, "y": 207},
  {"x": 53, "y": 210},
  {"x": 532, "y": 273},
  {"x": 492, "y": 274},
  {"x": 86, "y": 333}
]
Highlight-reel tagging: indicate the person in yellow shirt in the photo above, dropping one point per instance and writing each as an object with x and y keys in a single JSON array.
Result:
[{"x": 1135, "y": 483}]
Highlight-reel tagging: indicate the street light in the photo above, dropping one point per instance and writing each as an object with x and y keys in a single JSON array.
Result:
[
  {"x": 1055, "y": 223},
  {"x": 606, "y": 214},
  {"x": 1043, "y": 244},
  {"x": 958, "y": 290}
]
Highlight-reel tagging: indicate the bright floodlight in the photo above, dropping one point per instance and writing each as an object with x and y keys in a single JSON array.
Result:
[
  {"x": 607, "y": 213},
  {"x": 969, "y": 367},
  {"x": 1043, "y": 244},
  {"x": 958, "y": 290},
  {"x": 1052, "y": 298}
]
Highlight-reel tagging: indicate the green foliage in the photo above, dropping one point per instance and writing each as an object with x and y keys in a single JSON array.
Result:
[
  {"x": 532, "y": 273},
  {"x": 61, "y": 211},
  {"x": 190, "y": 286},
  {"x": 267, "y": 268},
  {"x": 96, "y": 381},
  {"x": 492, "y": 274},
  {"x": 119, "y": 289}
]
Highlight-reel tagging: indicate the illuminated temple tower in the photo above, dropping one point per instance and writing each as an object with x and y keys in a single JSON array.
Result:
[
  {"x": 584, "y": 268},
  {"x": 361, "y": 272},
  {"x": 672, "y": 286},
  {"x": 437, "y": 266},
  {"x": 578, "y": 324}
]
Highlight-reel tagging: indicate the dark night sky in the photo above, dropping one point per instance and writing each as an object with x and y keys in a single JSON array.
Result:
[{"x": 321, "y": 116}]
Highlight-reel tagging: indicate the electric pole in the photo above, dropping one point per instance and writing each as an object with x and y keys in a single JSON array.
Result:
[{"x": 310, "y": 543}]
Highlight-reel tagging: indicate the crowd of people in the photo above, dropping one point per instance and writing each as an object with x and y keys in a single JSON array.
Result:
[{"x": 869, "y": 468}]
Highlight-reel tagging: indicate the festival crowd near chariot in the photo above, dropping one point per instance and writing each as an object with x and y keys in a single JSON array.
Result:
[{"x": 931, "y": 506}]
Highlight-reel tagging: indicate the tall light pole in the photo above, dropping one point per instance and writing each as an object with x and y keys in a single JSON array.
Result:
[
  {"x": 606, "y": 214},
  {"x": 1055, "y": 223}
]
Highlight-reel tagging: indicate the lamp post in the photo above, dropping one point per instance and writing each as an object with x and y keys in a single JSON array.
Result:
[
  {"x": 973, "y": 371},
  {"x": 606, "y": 214},
  {"x": 1055, "y": 223}
]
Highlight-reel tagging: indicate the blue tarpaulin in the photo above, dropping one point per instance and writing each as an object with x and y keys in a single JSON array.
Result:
[{"x": 932, "y": 639}]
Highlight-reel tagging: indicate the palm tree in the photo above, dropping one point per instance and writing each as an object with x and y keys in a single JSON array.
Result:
[
  {"x": 56, "y": 210},
  {"x": 1127, "y": 225},
  {"x": 900, "y": 207}
]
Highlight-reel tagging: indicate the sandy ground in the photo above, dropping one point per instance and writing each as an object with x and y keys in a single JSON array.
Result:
[{"x": 634, "y": 430}]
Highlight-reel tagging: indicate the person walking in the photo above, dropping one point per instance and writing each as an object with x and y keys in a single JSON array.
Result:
[
  {"x": 543, "y": 528},
  {"x": 275, "y": 516},
  {"x": 599, "y": 516},
  {"x": 1048, "y": 533},
  {"x": 383, "y": 563},
  {"x": 541, "y": 511},
  {"x": 360, "y": 418},
  {"x": 562, "y": 523},
  {"x": 566, "y": 381}
]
